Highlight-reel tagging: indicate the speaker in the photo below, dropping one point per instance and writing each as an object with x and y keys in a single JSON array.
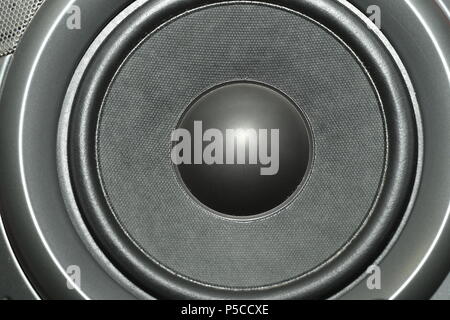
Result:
[{"x": 210, "y": 149}]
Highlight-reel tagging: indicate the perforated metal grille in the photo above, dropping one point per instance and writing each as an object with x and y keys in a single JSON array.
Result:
[{"x": 15, "y": 16}]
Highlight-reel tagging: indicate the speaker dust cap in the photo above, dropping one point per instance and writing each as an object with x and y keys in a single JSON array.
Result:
[{"x": 242, "y": 149}]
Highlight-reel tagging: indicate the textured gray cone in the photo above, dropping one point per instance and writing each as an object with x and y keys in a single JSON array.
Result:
[{"x": 208, "y": 47}]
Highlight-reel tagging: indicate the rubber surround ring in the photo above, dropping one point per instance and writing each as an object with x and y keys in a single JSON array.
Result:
[{"x": 323, "y": 281}]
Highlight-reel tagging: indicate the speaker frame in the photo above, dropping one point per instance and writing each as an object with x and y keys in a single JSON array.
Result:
[{"x": 36, "y": 55}]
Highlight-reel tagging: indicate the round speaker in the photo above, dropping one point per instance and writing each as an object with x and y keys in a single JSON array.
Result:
[
  {"x": 123, "y": 119},
  {"x": 221, "y": 150}
]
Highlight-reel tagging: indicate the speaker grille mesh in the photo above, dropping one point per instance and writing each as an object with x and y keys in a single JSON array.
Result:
[{"x": 15, "y": 16}]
